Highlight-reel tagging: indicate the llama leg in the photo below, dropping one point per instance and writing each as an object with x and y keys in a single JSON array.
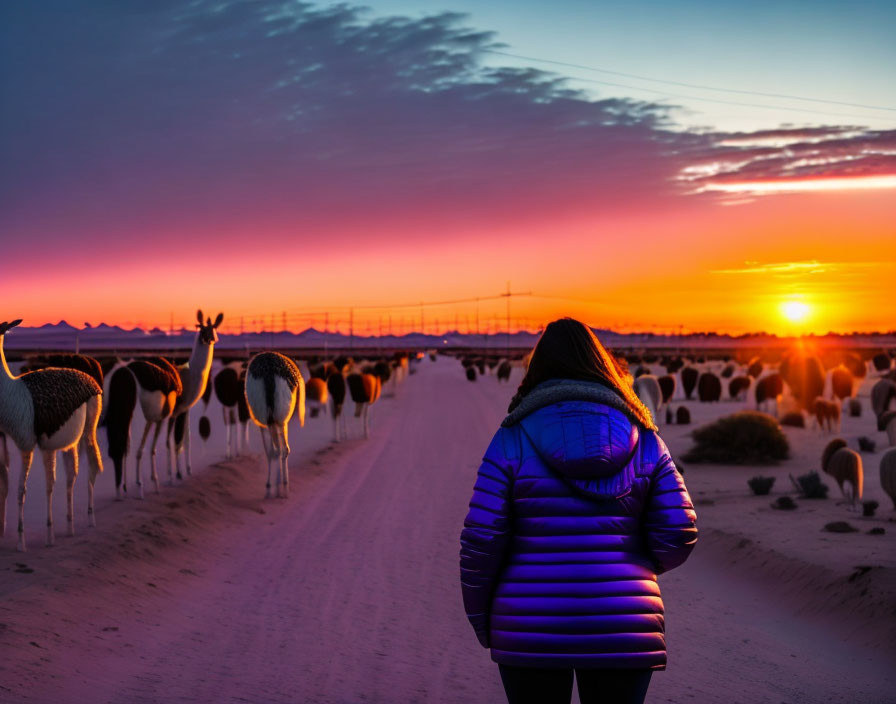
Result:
[
  {"x": 169, "y": 448},
  {"x": 27, "y": 457},
  {"x": 226, "y": 433},
  {"x": 50, "y": 472},
  {"x": 268, "y": 450},
  {"x": 94, "y": 459},
  {"x": 366, "y": 420},
  {"x": 137, "y": 475},
  {"x": 245, "y": 431},
  {"x": 154, "y": 475},
  {"x": 4, "y": 483},
  {"x": 275, "y": 456},
  {"x": 70, "y": 459},
  {"x": 187, "y": 457},
  {"x": 284, "y": 458}
]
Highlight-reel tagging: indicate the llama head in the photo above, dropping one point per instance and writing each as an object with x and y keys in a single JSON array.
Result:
[
  {"x": 207, "y": 330},
  {"x": 5, "y": 327}
]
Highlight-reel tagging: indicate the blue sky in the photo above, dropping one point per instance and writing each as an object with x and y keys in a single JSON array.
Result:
[{"x": 843, "y": 51}]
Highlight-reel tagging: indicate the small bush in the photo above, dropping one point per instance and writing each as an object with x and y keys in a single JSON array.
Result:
[
  {"x": 794, "y": 420},
  {"x": 747, "y": 437},
  {"x": 761, "y": 485},
  {"x": 869, "y": 507},
  {"x": 683, "y": 415},
  {"x": 810, "y": 486},
  {"x": 784, "y": 503},
  {"x": 866, "y": 444},
  {"x": 839, "y": 527}
]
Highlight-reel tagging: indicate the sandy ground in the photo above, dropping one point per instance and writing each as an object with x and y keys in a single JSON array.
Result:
[{"x": 348, "y": 591}]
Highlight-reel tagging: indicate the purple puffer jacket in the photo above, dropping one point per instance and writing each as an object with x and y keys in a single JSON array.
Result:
[{"x": 576, "y": 510}]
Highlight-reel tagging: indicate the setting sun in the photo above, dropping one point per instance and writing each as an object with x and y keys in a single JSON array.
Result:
[{"x": 795, "y": 311}]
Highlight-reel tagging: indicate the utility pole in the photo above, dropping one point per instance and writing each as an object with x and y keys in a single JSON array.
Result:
[
  {"x": 422, "y": 327},
  {"x": 508, "y": 295},
  {"x": 351, "y": 328}
]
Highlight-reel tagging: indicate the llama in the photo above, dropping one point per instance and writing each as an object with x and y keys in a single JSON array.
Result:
[
  {"x": 709, "y": 388},
  {"x": 504, "y": 370},
  {"x": 882, "y": 393},
  {"x": 364, "y": 390},
  {"x": 842, "y": 383},
  {"x": 689, "y": 380},
  {"x": 881, "y": 362},
  {"x": 845, "y": 466},
  {"x": 50, "y": 409},
  {"x": 888, "y": 474},
  {"x": 886, "y": 422},
  {"x": 228, "y": 390},
  {"x": 738, "y": 388},
  {"x": 120, "y": 411},
  {"x": 274, "y": 389},
  {"x": 158, "y": 386},
  {"x": 316, "y": 395},
  {"x": 81, "y": 362},
  {"x": 667, "y": 386},
  {"x": 827, "y": 415},
  {"x": 336, "y": 387},
  {"x": 647, "y": 388},
  {"x": 768, "y": 390},
  {"x": 194, "y": 379}
]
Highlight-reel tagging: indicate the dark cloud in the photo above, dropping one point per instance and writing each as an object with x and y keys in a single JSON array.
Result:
[{"x": 130, "y": 117}]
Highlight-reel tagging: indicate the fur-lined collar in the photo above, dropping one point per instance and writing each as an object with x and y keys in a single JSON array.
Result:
[{"x": 557, "y": 390}]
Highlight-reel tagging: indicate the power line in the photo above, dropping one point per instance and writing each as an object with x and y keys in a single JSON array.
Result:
[{"x": 689, "y": 85}]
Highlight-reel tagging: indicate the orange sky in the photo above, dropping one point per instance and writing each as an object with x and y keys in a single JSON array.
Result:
[{"x": 703, "y": 267}]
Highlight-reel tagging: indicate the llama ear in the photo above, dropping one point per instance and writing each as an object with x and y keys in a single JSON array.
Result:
[
  {"x": 13, "y": 323},
  {"x": 199, "y": 316},
  {"x": 219, "y": 319}
]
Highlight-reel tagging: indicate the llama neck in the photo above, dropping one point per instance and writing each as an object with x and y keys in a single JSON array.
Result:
[
  {"x": 5, "y": 375},
  {"x": 199, "y": 366}
]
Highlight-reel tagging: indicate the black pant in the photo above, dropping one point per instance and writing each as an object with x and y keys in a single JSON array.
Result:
[{"x": 542, "y": 685}]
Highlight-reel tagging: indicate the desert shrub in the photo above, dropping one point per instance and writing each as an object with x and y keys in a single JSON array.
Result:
[
  {"x": 866, "y": 444},
  {"x": 747, "y": 437},
  {"x": 728, "y": 371},
  {"x": 794, "y": 419},
  {"x": 869, "y": 507},
  {"x": 784, "y": 503},
  {"x": 683, "y": 415},
  {"x": 761, "y": 485},
  {"x": 810, "y": 486}
]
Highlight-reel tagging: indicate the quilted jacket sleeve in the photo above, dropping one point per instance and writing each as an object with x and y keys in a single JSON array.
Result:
[
  {"x": 486, "y": 533},
  {"x": 670, "y": 522}
]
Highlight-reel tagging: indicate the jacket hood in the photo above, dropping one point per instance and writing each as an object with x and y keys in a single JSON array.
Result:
[{"x": 584, "y": 431}]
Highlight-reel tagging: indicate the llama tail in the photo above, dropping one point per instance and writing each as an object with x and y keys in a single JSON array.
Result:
[{"x": 119, "y": 413}]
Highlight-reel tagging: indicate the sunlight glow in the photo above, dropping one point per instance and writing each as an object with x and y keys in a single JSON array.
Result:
[{"x": 795, "y": 311}]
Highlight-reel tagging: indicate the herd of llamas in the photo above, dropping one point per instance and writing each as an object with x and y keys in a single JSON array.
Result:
[
  {"x": 57, "y": 403},
  {"x": 800, "y": 390}
]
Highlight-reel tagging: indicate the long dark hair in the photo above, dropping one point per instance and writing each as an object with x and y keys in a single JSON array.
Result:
[{"x": 568, "y": 349}]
